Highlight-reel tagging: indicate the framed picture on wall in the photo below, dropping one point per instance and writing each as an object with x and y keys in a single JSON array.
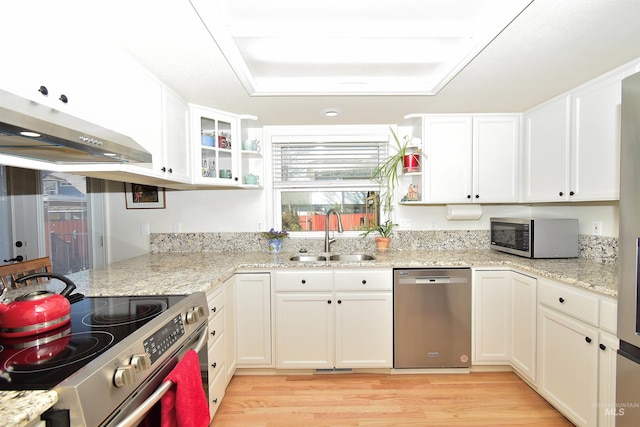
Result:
[{"x": 139, "y": 196}]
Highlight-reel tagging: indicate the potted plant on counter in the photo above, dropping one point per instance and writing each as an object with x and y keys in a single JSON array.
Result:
[
  {"x": 275, "y": 239},
  {"x": 384, "y": 230}
]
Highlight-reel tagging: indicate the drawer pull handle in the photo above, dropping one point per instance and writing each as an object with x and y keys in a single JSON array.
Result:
[
  {"x": 561, "y": 300},
  {"x": 328, "y": 301},
  {"x": 587, "y": 339},
  {"x": 213, "y": 334},
  {"x": 339, "y": 301},
  {"x": 214, "y": 309},
  {"x": 602, "y": 347},
  {"x": 214, "y": 364},
  {"x": 364, "y": 282},
  {"x": 215, "y": 401},
  {"x": 304, "y": 281}
]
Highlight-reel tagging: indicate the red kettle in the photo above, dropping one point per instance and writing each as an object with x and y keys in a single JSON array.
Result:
[{"x": 37, "y": 311}]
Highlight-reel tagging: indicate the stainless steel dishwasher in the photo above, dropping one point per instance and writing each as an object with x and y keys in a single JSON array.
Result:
[{"x": 432, "y": 318}]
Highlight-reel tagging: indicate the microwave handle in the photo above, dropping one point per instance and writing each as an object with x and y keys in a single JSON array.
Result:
[{"x": 135, "y": 416}]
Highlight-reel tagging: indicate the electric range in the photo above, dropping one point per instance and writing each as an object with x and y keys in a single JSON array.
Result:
[{"x": 111, "y": 349}]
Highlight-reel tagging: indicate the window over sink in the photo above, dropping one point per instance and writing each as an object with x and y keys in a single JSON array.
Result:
[{"x": 314, "y": 170}]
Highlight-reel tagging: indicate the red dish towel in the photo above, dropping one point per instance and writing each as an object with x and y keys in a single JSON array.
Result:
[{"x": 185, "y": 404}]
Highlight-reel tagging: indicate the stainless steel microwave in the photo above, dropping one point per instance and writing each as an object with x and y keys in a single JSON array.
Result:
[{"x": 535, "y": 237}]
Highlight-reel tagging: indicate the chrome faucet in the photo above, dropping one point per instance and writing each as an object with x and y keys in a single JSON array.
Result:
[{"x": 327, "y": 240}]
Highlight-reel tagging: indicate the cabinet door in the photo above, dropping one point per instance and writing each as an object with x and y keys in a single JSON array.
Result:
[
  {"x": 230, "y": 327},
  {"x": 547, "y": 144},
  {"x": 448, "y": 165},
  {"x": 253, "y": 319},
  {"x": 492, "y": 325},
  {"x": 305, "y": 330},
  {"x": 175, "y": 148},
  {"x": 523, "y": 324},
  {"x": 364, "y": 330},
  {"x": 215, "y": 147},
  {"x": 568, "y": 369},
  {"x": 496, "y": 148},
  {"x": 608, "y": 346},
  {"x": 595, "y": 141}
]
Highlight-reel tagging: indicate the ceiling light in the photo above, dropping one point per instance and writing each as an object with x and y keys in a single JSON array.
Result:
[
  {"x": 331, "y": 112},
  {"x": 30, "y": 134}
]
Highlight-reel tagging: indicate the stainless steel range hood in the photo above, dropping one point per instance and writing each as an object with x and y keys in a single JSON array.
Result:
[{"x": 60, "y": 138}]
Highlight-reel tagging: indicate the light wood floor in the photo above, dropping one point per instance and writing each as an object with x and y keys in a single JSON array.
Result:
[{"x": 476, "y": 399}]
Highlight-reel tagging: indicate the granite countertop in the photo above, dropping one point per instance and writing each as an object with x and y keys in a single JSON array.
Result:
[{"x": 184, "y": 273}]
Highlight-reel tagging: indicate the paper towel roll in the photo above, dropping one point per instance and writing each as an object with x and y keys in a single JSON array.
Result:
[{"x": 463, "y": 212}]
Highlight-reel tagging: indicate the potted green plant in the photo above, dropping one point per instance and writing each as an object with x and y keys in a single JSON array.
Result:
[
  {"x": 387, "y": 174},
  {"x": 384, "y": 230}
]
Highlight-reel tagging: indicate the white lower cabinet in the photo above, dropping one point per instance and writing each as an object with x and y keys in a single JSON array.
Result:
[
  {"x": 505, "y": 320},
  {"x": 230, "y": 359},
  {"x": 334, "y": 319},
  {"x": 492, "y": 323},
  {"x": 568, "y": 352},
  {"x": 577, "y": 356},
  {"x": 608, "y": 346},
  {"x": 216, "y": 349},
  {"x": 523, "y": 324},
  {"x": 304, "y": 330},
  {"x": 253, "y": 320}
]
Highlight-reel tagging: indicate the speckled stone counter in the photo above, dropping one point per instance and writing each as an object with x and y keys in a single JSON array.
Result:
[
  {"x": 19, "y": 408},
  {"x": 184, "y": 273}
]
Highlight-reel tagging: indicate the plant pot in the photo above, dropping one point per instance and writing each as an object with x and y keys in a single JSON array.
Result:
[
  {"x": 382, "y": 243},
  {"x": 411, "y": 163},
  {"x": 275, "y": 245}
]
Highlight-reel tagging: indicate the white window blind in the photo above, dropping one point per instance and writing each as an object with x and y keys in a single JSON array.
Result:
[{"x": 322, "y": 162}]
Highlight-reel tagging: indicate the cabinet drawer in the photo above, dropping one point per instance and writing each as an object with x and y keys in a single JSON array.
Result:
[
  {"x": 215, "y": 301},
  {"x": 216, "y": 357},
  {"x": 304, "y": 280},
  {"x": 216, "y": 391},
  {"x": 579, "y": 304},
  {"x": 362, "y": 280},
  {"x": 216, "y": 326},
  {"x": 608, "y": 319}
]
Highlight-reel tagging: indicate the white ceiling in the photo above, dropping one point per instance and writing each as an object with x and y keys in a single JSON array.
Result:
[
  {"x": 355, "y": 47},
  {"x": 551, "y": 47}
]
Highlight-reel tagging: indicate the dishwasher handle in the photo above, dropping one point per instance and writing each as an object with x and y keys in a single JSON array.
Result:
[{"x": 428, "y": 280}]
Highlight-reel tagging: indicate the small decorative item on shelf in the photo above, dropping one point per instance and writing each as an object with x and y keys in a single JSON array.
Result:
[
  {"x": 275, "y": 239},
  {"x": 412, "y": 194}
]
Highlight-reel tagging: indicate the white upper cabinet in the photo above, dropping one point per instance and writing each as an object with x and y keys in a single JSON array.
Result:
[
  {"x": 572, "y": 144},
  {"x": 175, "y": 159},
  {"x": 215, "y": 147},
  {"x": 595, "y": 139},
  {"x": 496, "y": 151},
  {"x": 546, "y": 175},
  {"x": 447, "y": 164},
  {"x": 471, "y": 159}
]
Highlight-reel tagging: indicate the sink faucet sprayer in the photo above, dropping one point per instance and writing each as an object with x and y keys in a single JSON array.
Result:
[{"x": 327, "y": 240}]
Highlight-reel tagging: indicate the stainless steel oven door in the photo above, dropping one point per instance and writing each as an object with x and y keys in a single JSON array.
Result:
[{"x": 148, "y": 396}]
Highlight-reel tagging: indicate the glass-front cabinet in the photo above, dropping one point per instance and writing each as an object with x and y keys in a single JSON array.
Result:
[
  {"x": 214, "y": 136},
  {"x": 226, "y": 149}
]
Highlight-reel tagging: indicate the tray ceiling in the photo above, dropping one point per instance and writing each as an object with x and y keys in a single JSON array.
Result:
[{"x": 355, "y": 47}]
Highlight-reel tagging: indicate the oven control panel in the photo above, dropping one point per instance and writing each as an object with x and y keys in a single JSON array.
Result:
[{"x": 163, "y": 339}]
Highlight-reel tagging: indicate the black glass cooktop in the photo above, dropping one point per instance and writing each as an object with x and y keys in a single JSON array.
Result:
[{"x": 40, "y": 362}]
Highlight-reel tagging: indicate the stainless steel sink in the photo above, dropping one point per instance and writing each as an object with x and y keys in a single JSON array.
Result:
[
  {"x": 351, "y": 257},
  {"x": 308, "y": 258}
]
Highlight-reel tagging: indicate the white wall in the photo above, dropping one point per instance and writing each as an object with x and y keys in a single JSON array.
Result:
[{"x": 194, "y": 211}]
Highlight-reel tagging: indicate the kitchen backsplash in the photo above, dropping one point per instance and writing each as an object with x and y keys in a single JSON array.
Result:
[{"x": 598, "y": 248}]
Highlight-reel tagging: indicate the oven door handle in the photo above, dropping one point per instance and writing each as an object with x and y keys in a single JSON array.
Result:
[{"x": 134, "y": 417}]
